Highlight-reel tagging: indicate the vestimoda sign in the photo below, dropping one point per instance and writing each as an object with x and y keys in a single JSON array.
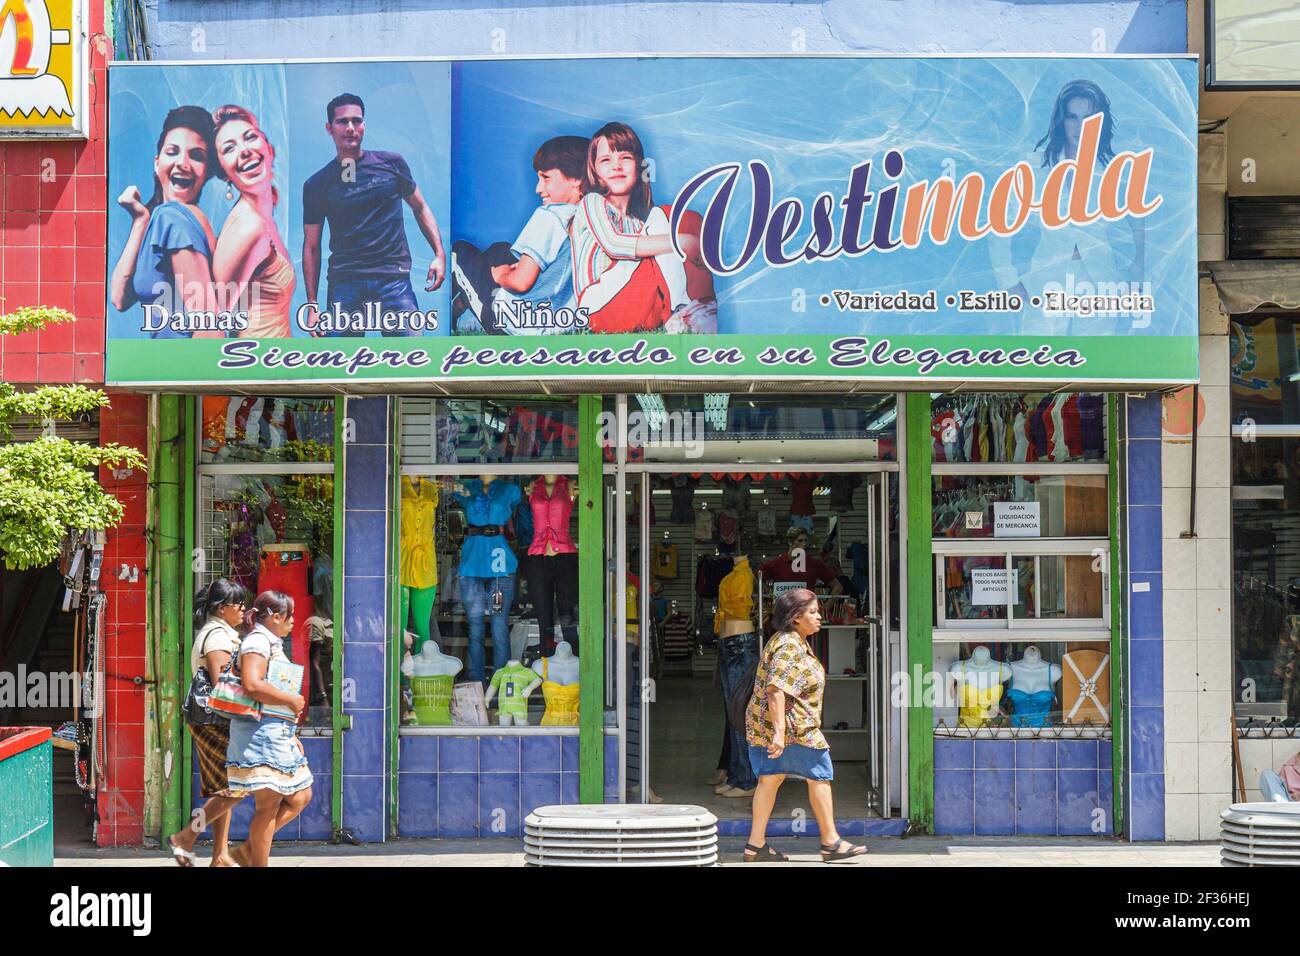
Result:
[{"x": 927, "y": 218}]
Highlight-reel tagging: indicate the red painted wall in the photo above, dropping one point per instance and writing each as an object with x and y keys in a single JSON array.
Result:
[
  {"x": 121, "y": 799},
  {"x": 52, "y": 250}
]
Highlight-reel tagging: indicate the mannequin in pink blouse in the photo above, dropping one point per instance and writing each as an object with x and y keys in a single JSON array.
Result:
[{"x": 553, "y": 560}]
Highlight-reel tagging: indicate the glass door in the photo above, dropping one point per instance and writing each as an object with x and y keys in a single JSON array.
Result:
[
  {"x": 876, "y": 614},
  {"x": 628, "y": 653}
]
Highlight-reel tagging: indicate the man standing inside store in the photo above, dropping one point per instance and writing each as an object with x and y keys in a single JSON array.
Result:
[{"x": 360, "y": 194}]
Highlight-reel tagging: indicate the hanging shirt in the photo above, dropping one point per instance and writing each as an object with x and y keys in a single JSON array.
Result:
[
  {"x": 801, "y": 494},
  {"x": 766, "y": 522},
  {"x": 665, "y": 560},
  {"x": 419, "y": 561},
  {"x": 551, "y": 518},
  {"x": 842, "y": 486},
  {"x": 735, "y": 596},
  {"x": 487, "y": 556},
  {"x": 703, "y": 525},
  {"x": 683, "y": 494}
]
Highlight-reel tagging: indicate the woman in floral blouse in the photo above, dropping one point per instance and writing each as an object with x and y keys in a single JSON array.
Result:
[{"x": 783, "y": 727}]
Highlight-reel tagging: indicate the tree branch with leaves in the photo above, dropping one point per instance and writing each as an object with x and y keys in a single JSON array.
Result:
[{"x": 51, "y": 485}]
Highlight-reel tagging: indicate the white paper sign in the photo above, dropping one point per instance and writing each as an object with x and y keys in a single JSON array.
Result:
[
  {"x": 1016, "y": 519},
  {"x": 989, "y": 585}
]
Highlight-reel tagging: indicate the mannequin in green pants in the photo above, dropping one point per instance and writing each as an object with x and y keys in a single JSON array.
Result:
[{"x": 418, "y": 602}]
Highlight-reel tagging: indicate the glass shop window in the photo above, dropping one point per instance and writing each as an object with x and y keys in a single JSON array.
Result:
[
  {"x": 275, "y": 532},
  {"x": 1017, "y": 689},
  {"x": 244, "y": 429},
  {"x": 1019, "y": 428},
  {"x": 481, "y": 431},
  {"x": 488, "y": 575},
  {"x": 980, "y": 506}
]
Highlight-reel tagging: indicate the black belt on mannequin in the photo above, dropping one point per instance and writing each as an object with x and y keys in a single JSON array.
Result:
[{"x": 486, "y": 530}]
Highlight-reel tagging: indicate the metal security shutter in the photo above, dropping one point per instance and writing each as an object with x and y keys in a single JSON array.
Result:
[
  {"x": 1264, "y": 227},
  {"x": 83, "y": 429},
  {"x": 418, "y": 446}
]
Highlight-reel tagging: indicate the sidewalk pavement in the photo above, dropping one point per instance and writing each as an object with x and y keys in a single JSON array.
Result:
[{"x": 884, "y": 852}]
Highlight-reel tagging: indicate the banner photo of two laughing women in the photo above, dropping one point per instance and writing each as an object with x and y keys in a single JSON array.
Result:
[{"x": 778, "y": 196}]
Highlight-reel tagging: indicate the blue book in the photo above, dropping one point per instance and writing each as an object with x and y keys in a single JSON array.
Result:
[{"x": 287, "y": 677}]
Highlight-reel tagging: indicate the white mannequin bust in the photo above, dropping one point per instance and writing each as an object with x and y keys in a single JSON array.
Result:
[
  {"x": 561, "y": 667},
  {"x": 1031, "y": 674},
  {"x": 512, "y": 720},
  {"x": 981, "y": 670},
  {"x": 430, "y": 662}
]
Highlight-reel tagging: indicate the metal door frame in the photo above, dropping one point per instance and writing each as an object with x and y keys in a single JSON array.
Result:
[{"x": 877, "y": 475}]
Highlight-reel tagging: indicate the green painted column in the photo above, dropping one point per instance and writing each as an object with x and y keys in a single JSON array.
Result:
[
  {"x": 591, "y": 606},
  {"x": 189, "y": 430},
  {"x": 170, "y": 629},
  {"x": 919, "y": 578}
]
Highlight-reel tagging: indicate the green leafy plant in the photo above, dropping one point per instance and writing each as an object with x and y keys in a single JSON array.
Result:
[{"x": 51, "y": 485}]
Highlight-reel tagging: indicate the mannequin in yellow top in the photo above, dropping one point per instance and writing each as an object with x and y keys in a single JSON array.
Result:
[
  {"x": 419, "y": 560},
  {"x": 979, "y": 687},
  {"x": 559, "y": 674},
  {"x": 737, "y": 654}
]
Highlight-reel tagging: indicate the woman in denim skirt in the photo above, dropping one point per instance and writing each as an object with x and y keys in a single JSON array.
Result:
[
  {"x": 783, "y": 728},
  {"x": 265, "y": 756}
]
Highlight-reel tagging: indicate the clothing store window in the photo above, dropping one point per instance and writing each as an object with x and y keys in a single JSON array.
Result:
[
  {"x": 244, "y": 429},
  {"x": 488, "y": 569},
  {"x": 721, "y": 427},
  {"x": 1020, "y": 521},
  {"x": 481, "y": 431},
  {"x": 1266, "y": 526},
  {"x": 266, "y": 520}
]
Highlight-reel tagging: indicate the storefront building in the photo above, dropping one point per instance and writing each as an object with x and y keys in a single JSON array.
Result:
[{"x": 971, "y": 482}]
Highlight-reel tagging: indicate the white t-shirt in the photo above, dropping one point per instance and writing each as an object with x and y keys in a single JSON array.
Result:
[
  {"x": 215, "y": 635},
  {"x": 261, "y": 641}
]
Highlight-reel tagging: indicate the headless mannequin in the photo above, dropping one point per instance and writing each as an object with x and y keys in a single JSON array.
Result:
[
  {"x": 1032, "y": 674},
  {"x": 986, "y": 677},
  {"x": 560, "y": 668},
  {"x": 431, "y": 662},
  {"x": 418, "y": 602},
  {"x": 435, "y": 672},
  {"x": 516, "y": 720},
  {"x": 552, "y": 580},
  {"x": 731, "y": 627}
]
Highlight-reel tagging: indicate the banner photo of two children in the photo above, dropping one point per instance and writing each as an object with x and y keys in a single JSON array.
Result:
[{"x": 979, "y": 203}]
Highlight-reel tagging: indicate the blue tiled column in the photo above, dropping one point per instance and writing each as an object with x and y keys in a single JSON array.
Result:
[
  {"x": 1145, "y": 817},
  {"x": 365, "y": 626}
]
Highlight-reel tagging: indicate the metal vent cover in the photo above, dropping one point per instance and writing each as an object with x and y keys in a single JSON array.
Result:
[
  {"x": 1260, "y": 834},
  {"x": 634, "y": 834}
]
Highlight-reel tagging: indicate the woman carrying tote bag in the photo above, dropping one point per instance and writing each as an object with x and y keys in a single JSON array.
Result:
[
  {"x": 783, "y": 728},
  {"x": 218, "y": 616}
]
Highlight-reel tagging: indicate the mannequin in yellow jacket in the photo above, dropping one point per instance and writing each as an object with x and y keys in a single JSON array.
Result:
[{"x": 737, "y": 647}]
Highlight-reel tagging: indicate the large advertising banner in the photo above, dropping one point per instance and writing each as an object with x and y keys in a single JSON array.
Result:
[{"x": 923, "y": 218}]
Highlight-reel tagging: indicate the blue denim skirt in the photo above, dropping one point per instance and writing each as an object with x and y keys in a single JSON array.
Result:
[
  {"x": 795, "y": 761},
  {"x": 266, "y": 754}
]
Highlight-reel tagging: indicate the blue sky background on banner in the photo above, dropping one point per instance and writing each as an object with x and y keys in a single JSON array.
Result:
[
  {"x": 811, "y": 120},
  {"x": 406, "y": 112}
]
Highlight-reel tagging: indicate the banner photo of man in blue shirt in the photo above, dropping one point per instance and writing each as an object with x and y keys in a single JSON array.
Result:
[{"x": 360, "y": 194}]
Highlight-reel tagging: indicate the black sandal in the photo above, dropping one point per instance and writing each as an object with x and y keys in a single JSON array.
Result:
[
  {"x": 763, "y": 854},
  {"x": 842, "y": 850}
]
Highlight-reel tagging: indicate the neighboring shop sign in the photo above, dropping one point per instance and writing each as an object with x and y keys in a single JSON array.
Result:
[
  {"x": 43, "y": 64},
  {"x": 989, "y": 585},
  {"x": 980, "y": 219},
  {"x": 1016, "y": 519}
]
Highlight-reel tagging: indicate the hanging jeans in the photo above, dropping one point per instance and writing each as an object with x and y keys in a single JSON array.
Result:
[
  {"x": 553, "y": 587},
  {"x": 476, "y": 596},
  {"x": 736, "y": 655}
]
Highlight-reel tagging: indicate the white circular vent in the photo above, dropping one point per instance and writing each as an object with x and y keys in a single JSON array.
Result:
[
  {"x": 1260, "y": 834},
  {"x": 621, "y": 835}
]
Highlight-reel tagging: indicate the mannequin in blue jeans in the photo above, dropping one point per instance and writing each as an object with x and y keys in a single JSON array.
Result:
[
  {"x": 487, "y": 565},
  {"x": 476, "y": 594},
  {"x": 736, "y": 654}
]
